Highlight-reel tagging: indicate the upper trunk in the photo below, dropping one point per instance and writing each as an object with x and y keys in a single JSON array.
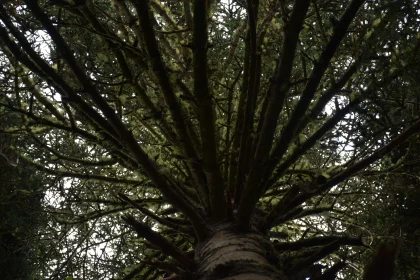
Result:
[{"x": 231, "y": 254}]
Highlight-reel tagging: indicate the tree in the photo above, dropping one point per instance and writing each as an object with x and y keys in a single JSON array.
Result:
[
  {"x": 397, "y": 214},
  {"x": 235, "y": 138},
  {"x": 21, "y": 192}
]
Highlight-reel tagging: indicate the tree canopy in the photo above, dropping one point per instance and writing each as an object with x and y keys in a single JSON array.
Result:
[{"x": 213, "y": 139}]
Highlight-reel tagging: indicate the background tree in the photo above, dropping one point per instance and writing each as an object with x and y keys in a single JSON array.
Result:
[
  {"x": 235, "y": 138},
  {"x": 22, "y": 217}
]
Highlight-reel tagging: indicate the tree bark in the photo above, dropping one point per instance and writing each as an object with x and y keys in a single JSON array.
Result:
[{"x": 230, "y": 254}]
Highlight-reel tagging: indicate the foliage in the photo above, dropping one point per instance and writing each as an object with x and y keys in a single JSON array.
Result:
[
  {"x": 284, "y": 118},
  {"x": 22, "y": 219}
]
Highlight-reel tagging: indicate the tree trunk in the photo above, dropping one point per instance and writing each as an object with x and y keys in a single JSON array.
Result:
[{"x": 231, "y": 254}]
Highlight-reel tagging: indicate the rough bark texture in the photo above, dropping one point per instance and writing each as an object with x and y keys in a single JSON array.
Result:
[{"x": 230, "y": 254}]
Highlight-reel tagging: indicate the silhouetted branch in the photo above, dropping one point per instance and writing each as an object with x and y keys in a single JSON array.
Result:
[{"x": 156, "y": 239}]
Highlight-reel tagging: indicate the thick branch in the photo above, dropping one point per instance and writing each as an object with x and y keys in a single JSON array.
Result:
[
  {"x": 303, "y": 263},
  {"x": 290, "y": 131},
  {"x": 118, "y": 150},
  {"x": 240, "y": 115},
  {"x": 310, "y": 142},
  {"x": 350, "y": 171},
  {"x": 60, "y": 173},
  {"x": 158, "y": 68},
  {"x": 41, "y": 68},
  {"x": 277, "y": 91},
  {"x": 150, "y": 214},
  {"x": 205, "y": 108},
  {"x": 125, "y": 68},
  {"x": 317, "y": 241},
  {"x": 83, "y": 162},
  {"x": 300, "y": 213},
  {"x": 157, "y": 240},
  {"x": 123, "y": 133},
  {"x": 251, "y": 99}
]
